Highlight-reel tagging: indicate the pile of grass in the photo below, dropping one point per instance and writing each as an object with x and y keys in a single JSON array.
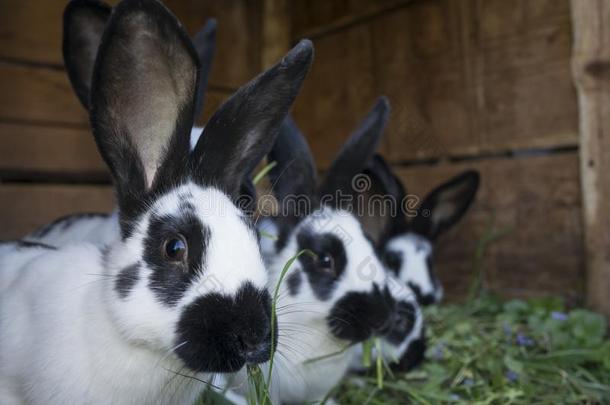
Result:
[{"x": 487, "y": 351}]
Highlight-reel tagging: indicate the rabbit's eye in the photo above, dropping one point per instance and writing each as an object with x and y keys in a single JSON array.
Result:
[
  {"x": 175, "y": 249},
  {"x": 393, "y": 260},
  {"x": 326, "y": 262}
]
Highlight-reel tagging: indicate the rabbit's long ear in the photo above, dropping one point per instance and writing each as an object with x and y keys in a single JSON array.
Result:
[
  {"x": 356, "y": 152},
  {"x": 84, "y": 23},
  {"x": 386, "y": 185},
  {"x": 294, "y": 175},
  {"x": 143, "y": 96},
  {"x": 242, "y": 131},
  {"x": 445, "y": 205},
  {"x": 205, "y": 44}
]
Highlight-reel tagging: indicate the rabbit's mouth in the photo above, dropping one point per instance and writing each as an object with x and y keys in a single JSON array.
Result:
[
  {"x": 357, "y": 316},
  {"x": 221, "y": 333}
]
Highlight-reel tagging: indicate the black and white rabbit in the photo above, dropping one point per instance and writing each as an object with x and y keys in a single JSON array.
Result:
[
  {"x": 83, "y": 25},
  {"x": 182, "y": 293},
  {"x": 339, "y": 296},
  {"x": 407, "y": 245}
]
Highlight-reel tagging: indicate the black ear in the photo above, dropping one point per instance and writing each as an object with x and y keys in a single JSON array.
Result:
[
  {"x": 142, "y": 99},
  {"x": 244, "y": 128},
  {"x": 386, "y": 185},
  {"x": 356, "y": 152},
  {"x": 84, "y": 23},
  {"x": 294, "y": 175},
  {"x": 205, "y": 44},
  {"x": 445, "y": 205}
]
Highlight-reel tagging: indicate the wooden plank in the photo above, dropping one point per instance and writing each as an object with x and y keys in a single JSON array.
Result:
[
  {"x": 337, "y": 93},
  {"x": 33, "y": 33},
  {"x": 539, "y": 199},
  {"x": 238, "y": 57},
  {"x": 464, "y": 78},
  {"x": 49, "y": 149},
  {"x": 38, "y": 94},
  {"x": 591, "y": 62},
  {"x": 275, "y": 31},
  {"x": 314, "y": 18},
  {"x": 462, "y": 84},
  {"x": 23, "y": 208}
]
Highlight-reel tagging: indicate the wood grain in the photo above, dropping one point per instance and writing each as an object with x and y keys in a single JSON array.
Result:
[
  {"x": 23, "y": 208},
  {"x": 591, "y": 64},
  {"x": 464, "y": 78},
  {"x": 33, "y": 33},
  {"x": 49, "y": 149},
  {"x": 40, "y": 94}
]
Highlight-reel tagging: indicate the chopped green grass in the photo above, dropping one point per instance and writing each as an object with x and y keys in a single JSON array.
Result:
[{"x": 488, "y": 351}]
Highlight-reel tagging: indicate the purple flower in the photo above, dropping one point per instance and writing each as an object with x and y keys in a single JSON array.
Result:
[
  {"x": 559, "y": 316},
  {"x": 512, "y": 376},
  {"x": 468, "y": 382},
  {"x": 523, "y": 340},
  {"x": 438, "y": 352}
]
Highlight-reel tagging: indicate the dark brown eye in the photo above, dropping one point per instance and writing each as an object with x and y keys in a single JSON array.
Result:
[
  {"x": 175, "y": 249},
  {"x": 326, "y": 262}
]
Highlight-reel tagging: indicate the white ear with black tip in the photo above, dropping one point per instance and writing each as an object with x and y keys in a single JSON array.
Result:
[
  {"x": 445, "y": 205},
  {"x": 356, "y": 152},
  {"x": 83, "y": 25},
  {"x": 142, "y": 98},
  {"x": 205, "y": 44},
  {"x": 244, "y": 128},
  {"x": 294, "y": 175}
]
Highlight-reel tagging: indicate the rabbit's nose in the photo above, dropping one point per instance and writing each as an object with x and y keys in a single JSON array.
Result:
[{"x": 256, "y": 346}]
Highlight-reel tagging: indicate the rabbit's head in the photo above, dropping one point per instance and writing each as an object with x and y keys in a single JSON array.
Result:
[
  {"x": 406, "y": 244},
  {"x": 186, "y": 277},
  {"x": 339, "y": 281}
]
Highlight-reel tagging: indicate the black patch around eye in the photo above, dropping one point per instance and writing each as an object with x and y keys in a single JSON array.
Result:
[
  {"x": 401, "y": 322},
  {"x": 393, "y": 260},
  {"x": 322, "y": 282},
  {"x": 294, "y": 283},
  {"x": 170, "y": 280},
  {"x": 126, "y": 279}
]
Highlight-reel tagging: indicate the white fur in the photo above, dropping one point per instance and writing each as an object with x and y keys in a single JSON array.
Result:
[
  {"x": 415, "y": 252},
  {"x": 66, "y": 337}
]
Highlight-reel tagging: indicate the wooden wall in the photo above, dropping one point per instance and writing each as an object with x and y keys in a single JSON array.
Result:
[
  {"x": 483, "y": 84},
  {"x": 49, "y": 165}
]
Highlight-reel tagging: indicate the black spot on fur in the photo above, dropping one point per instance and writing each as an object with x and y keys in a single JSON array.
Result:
[
  {"x": 64, "y": 223},
  {"x": 322, "y": 282},
  {"x": 126, "y": 279},
  {"x": 413, "y": 357},
  {"x": 169, "y": 280},
  {"x": 224, "y": 332},
  {"x": 357, "y": 316},
  {"x": 422, "y": 299},
  {"x": 26, "y": 244},
  {"x": 401, "y": 322},
  {"x": 294, "y": 282}
]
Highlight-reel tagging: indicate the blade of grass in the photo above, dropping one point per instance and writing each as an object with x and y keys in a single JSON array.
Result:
[{"x": 263, "y": 172}]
